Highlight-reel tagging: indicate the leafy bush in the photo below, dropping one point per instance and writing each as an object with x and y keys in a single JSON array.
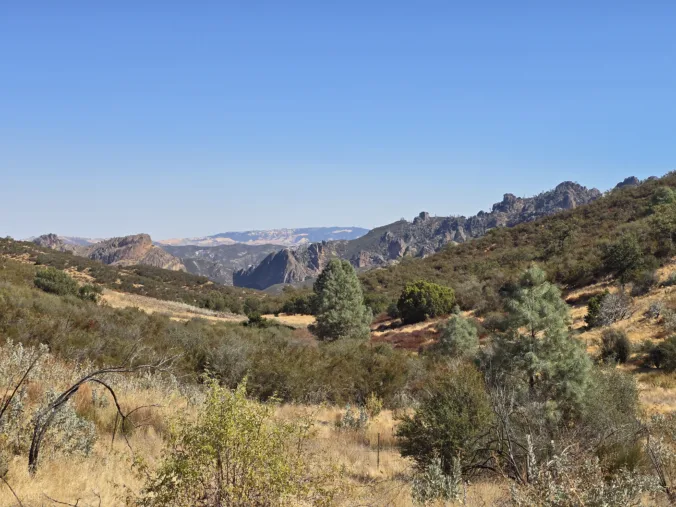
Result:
[
  {"x": 431, "y": 484},
  {"x": 663, "y": 355},
  {"x": 255, "y": 319},
  {"x": 453, "y": 414},
  {"x": 55, "y": 282},
  {"x": 299, "y": 305},
  {"x": 458, "y": 338},
  {"x": 663, "y": 195},
  {"x": 353, "y": 419},
  {"x": 643, "y": 282},
  {"x": 90, "y": 292},
  {"x": 614, "y": 346},
  {"x": 373, "y": 405},
  {"x": 236, "y": 454},
  {"x": 656, "y": 309},
  {"x": 423, "y": 300},
  {"x": 622, "y": 256}
]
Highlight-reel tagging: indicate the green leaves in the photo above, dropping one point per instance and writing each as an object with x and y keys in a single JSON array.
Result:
[
  {"x": 236, "y": 453},
  {"x": 423, "y": 300},
  {"x": 340, "y": 309}
]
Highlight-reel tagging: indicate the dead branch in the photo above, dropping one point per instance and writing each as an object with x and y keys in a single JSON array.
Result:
[
  {"x": 45, "y": 417},
  {"x": 10, "y": 488},
  {"x": 7, "y": 399}
]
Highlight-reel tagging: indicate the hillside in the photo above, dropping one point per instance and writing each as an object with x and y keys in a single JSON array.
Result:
[
  {"x": 219, "y": 262},
  {"x": 569, "y": 245},
  {"x": 142, "y": 280},
  {"x": 282, "y": 237},
  {"x": 416, "y": 239},
  {"x": 137, "y": 249}
]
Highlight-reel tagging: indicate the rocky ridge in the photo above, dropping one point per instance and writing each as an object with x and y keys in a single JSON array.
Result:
[
  {"x": 419, "y": 238},
  {"x": 123, "y": 251}
]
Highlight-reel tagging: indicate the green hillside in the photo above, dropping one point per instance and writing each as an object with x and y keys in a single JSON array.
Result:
[
  {"x": 570, "y": 246},
  {"x": 142, "y": 280}
]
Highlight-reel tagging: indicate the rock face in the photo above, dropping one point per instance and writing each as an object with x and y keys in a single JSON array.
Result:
[
  {"x": 124, "y": 251},
  {"x": 631, "y": 181},
  {"x": 419, "y": 238}
]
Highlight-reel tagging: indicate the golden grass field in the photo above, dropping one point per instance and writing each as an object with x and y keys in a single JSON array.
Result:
[
  {"x": 174, "y": 309},
  {"x": 107, "y": 475}
]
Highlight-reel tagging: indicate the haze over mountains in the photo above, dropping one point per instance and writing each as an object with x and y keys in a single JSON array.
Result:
[
  {"x": 265, "y": 258},
  {"x": 284, "y": 237}
]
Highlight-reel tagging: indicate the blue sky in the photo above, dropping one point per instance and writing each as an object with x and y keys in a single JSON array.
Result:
[{"x": 193, "y": 118}]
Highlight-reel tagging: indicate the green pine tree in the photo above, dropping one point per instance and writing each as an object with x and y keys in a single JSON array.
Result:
[
  {"x": 554, "y": 365},
  {"x": 458, "y": 338},
  {"x": 340, "y": 308}
]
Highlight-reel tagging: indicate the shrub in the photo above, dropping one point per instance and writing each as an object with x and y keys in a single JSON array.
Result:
[
  {"x": 56, "y": 282},
  {"x": 431, "y": 484},
  {"x": 643, "y": 282},
  {"x": 299, "y": 305},
  {"x": 255, "y": 319},
  {"x": 354, "y": 419},
  {"x": 615, "y": 346},
  {"x": 656, "y": 309},
  {"x": 458, "y": 338},
  {"x": 663, "y": 355},
  {"x": 373, "y": 405},
  {"x": 90, "y": 293},
  {"x": 235, "y": 454},
  {"x": 393, "y": 311},
  {"x": 622, "y": 256},
  {"x": 423, "y": 300},
  {"x": 453, "y": 414},
  {"x": 670, "y": 281},
  {"x": 663, "y": 195}
]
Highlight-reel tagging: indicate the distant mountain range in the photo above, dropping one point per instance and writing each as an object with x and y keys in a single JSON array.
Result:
[
  {"x": 282, "y": 237},
  {"x": 262, "y": 259},
  {"x": 421, "y": 237}
]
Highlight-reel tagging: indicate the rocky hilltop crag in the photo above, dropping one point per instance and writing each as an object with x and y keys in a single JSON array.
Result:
[
  {"x": 123, "y": 251},
  {"x": 419, "y": 238}
]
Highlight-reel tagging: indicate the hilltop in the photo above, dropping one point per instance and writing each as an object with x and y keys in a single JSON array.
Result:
[
  {"x": 137, "y": 249},
  {"x": 420, "y": 238}
]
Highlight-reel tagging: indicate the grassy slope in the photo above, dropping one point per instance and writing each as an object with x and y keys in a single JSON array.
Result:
[{"x": 141, "y": 280}]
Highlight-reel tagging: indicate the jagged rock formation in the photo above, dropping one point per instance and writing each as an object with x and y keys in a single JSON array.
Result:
[
  {"x": 631, "y": 181},
  {"x": 124, "y": 251},
  {"x": 419, "y": 238}
]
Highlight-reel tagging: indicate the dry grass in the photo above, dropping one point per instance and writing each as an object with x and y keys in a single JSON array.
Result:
[
  {"x": 297, "y": 321},
  {"x": 174, "y": 309}
]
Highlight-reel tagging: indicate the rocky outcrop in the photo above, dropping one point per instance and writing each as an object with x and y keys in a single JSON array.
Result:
[
  {"x": 420, "y": 238},
  {"x": 123, "y": 251},
  {"x": 631, "y": 181}
]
